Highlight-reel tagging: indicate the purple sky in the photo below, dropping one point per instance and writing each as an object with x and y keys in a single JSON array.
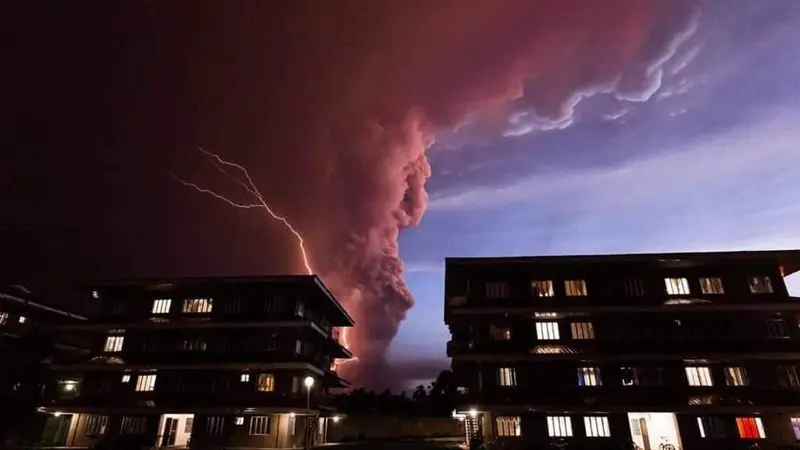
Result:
[{"x": 708, "y": 162}]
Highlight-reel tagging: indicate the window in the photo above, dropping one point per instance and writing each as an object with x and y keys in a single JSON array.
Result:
[
  {"x": 589, "y": 376},
  {"x": 161, "y": 305},
  {"x": 750, "y": 428},
  {"x": 575, "y": 288},
  {"x": 634, "y": 287},
  {"x": 711, "y": 286},
  {"x": 499, "y": 334},
  {"x": 736, "y": 376},
  {"x": 761, "y": 285},
  {"x": 676, "y": 286},
  {"x": 629, "y": 376},
  {"x": 113, "y": 343},
  {"x": 698, "y": 376},
  {"x": 508, "y": 426},
  {"x": 582, "y": 330},
  {"x": 3, "y": 318},
  {"x": 96, "y": 425},
  {"x": 244, "y": 377},
  {"x": 232, "y": 305},
  {"x": 146, "y": 383},
  {"x": 711, "y": 427},
  {"x": 776, "y": 328},
  {"x": 239, "y": 420},
  {"x": 542, "y": 288},
  {"x": 301, "y": 309},
  {"x": 788, "y": 376},
  {"x": 266, "y": 382},
  {"x": 497, "y": 289},
  {"x": 194, "y": 345},
  {"x": 259, "y": 425},
  {"x": 214, "y": 425},
  {"x": 22, "y": 319},
  {"x": 596, "y": 426},
  {"x": 298, "y": 347},
  {"x": 547, "y": 331},
  {"x": 271, "y": 304},
  {"x": 187, "y": 428},
  {"x": 126, "y": 378},
  {"x": 559, "y": 426},
  {"x": 507, "y": 376},
  {"x": 795, "y": 421},
  {"x": 132, "y": 425},
  {"x": 198, "y": 305}
]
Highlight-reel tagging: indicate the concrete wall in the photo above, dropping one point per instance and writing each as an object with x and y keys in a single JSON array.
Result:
[{"x": 386, "y": 427}]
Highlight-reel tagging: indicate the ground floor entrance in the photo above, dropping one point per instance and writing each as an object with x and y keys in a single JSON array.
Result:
[
  {"x": 175, "y": 430},
  {"x": 654, "y": 431}
]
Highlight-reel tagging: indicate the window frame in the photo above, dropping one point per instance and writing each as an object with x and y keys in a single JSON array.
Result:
[
  {"x": 161, "y": 306},
  {"x": 260, "y": 425},
  {"x": 750, "y": 427},
  {"x": 677, "y": 286},
  {"x": 145, "y": 382},
  {"x": 508, "y": 426},
  {"x": 575, "y": 288},
  {"x": 596, "y": 426},
  {"x": 538, "y": 291},
  {"x": 559, "y": 426},
  {"x": 699, "y": 374},
  {"x": 589, "y": 376},
  {"x": 712, "y": 286},
  {"x": 507, "y": 376},
  {"x": 547, "y": 330},
  {"x": 582, "y": 330}
]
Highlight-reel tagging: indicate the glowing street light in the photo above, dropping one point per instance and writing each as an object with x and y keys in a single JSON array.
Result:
[{"x": 309, "y": 383}]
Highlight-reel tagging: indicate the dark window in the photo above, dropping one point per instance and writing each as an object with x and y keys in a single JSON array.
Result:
[
  {"x": 711, "y": 427},
  {"x": 634, "y": 287},
  {"x": 776, "y": 328},
  {"x": 232, "y": 305},
  {"x": 629, "y": 376},
  {"x": 214, "y": 425}
]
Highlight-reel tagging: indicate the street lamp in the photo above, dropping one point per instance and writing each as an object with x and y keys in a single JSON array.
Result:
[{"x": 309, "y": 383}]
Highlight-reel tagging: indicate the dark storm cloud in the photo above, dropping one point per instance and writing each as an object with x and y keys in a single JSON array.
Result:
[{"x": 332, "y": 106}]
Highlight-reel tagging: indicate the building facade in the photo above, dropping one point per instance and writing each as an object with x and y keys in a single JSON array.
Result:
[
  {"x": 25, "y": 345},
  {"x": 203, "y": 363},
  {"x": 651, "y": 351}
]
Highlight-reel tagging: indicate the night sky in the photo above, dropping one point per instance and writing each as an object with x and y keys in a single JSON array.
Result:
[{"x": 392, "y": 134}]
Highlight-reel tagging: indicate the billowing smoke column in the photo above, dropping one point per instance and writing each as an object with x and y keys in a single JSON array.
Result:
[
  {"x": 399, "y": 72},
  {"x": 361, "y": 90}
]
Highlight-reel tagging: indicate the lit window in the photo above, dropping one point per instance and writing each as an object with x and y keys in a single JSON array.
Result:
[
  {"x": 575, "y": 288},
  {"x": 630, "y": 376},
  {"x": 776, "y": 328},
  {"x": 508, "y": 426},
  {"x": 582, "y": 330},
  {"x": 3, "y": 318},
  {"x": 596, "y": 426},
  {"x": 750, "y": 428},
  {"x": 22, "y": 319},
  {"x": 507, "y": 376},
  {"x": 214, "y": 425},
  {"x": 634, "y": 287},
  {"x": 95, "y": 294},
  {"x": 126, "y": 378},
  {"x": 676, "y": 286},
  {"x": 194, "y": 345},
  {"x": 559, "y": 426},
  {"x": 589, "y": 376},
  {"x": 265, "y": 383},
  {"x": 497, "y": 289},
  {"x": 499, "y": 334},
  {"x": 698, "y": 376},
  {"x": 198, "y": 305},
  {"x": 259, "y": 425},
  {"x": 239, "y": 420},
  {"x": 795, "y": 421},
  {"x": 711, "y": 286},
  {"x": 761, "y": 285},
  {"x": 736, "y": 376},
  {"x": 96, "y": 425},
  {"x": 113, "y": 343},
  {"x": 547, "y": 331},
  {"x": 298, "y": 347},
  {"x": 542, "y": 288},
  {"x": 161, "y": 305},
  {"x": 146, "y": 383},
  {"x": 244, "y": 378},
  {"x": 711, "y": 427}
]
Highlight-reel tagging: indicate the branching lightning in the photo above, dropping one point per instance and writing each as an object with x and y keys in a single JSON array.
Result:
[{"x": 220, "y": 164}]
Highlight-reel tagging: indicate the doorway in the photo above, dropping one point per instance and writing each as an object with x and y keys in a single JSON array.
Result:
[
  {"x": 175, "y": 430},
  {"x": 654, "y": 431}
]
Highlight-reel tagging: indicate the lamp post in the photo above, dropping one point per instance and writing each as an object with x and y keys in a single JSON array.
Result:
[{"x": 309, "y": 383}]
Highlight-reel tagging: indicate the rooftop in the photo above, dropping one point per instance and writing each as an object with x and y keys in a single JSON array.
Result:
[
  {"x": 166, "y": 284},
  {"x": 788, "y": 259}
]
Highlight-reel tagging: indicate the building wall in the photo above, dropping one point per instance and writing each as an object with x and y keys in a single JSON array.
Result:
[{"x": 386, "y": 427}]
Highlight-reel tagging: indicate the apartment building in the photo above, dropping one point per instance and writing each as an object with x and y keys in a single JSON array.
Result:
[
  {"x": 25, "y": 344},
  {"x": 203, "y": 363},
  {"x": 644, "y": 351}
]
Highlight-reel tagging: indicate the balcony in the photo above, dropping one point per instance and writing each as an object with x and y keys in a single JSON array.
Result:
[{"x": 634, "y": 397}]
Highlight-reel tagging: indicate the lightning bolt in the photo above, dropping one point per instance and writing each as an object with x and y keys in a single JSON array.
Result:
[{"x": 221, "y": 165}]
